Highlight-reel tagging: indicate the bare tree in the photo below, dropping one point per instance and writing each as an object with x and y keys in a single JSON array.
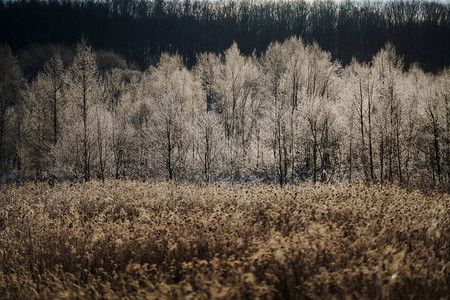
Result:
[
  {"x": 175, "y": 98},
  {"x": 85, "y": 93},
  {"x": 444, "y": 79},
  {"x": 388, "y": 67},
  {"x": 104, "y": 138},
  {"x": 209, "y": 138},
  {"x": 274, "y": 66},
  {"x": 433, "y": 110},
  {"x": 45, "y": 105},
  {"x": 320, "y": 94},
  {"x": 11, "y": 111},
  {"x": 238, "y": 105},
  {"x": 360, "y": 93}
]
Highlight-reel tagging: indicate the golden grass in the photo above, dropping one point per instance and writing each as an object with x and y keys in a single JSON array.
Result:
[{"x": 165, "y": 240}]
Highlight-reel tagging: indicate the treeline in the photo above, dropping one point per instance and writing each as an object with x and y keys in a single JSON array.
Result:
[
  {"x": 142, "y": 30},
  {"x": 290, "y": 116}
]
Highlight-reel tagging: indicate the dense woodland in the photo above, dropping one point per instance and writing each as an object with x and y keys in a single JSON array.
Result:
[
  {"x": 141, "y": 30},
  {"x": 291, "y": 115}
]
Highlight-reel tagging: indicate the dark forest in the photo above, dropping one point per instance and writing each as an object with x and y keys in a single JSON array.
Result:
[{"x": 141, "y": 30}]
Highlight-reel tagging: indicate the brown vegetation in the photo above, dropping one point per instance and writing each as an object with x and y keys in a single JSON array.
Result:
[{"x": 167, "y": 240}]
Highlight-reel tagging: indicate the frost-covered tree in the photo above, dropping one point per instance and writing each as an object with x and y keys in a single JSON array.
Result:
[
  {"x": 416, "y": 83},
  {"x": 122, "y": 96},
  {"x": 209, "y": 144},
  {"x": 83, "y": 95},
  {"x": 238, "y": 106},
  {"x": 444, "y": 88},
  {"x": 293, "y": 86},
  {"x": 298, "y": 83},
  {"x": 274, "y": 65},
  {"x": 103, "y": 139},
  {"x": 45, "y": 105},
  {"x": 432, "y": 140},
  {"x": 388, "y": 71},
  {"x": 122, "y": 145},
  {"x": 11, "y": 111},
  {"x": 359, "y": 95},
  {"x": 321, "y": 94},
  {"x": 175, "y": 101}
]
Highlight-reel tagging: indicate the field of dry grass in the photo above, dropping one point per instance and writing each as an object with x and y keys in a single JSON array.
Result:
[{"x": 166, "y": 240}]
